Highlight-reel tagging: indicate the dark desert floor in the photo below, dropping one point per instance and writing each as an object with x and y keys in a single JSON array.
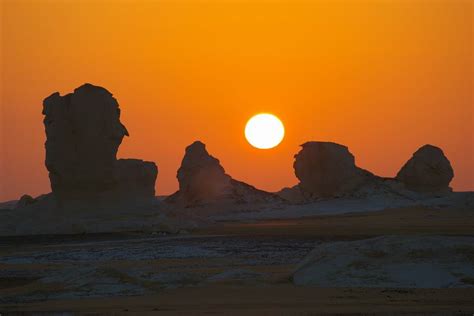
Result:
[
  {"x": 230, "y": 268},
  {"x": 274, "y": 300},
  {"x": 421, "y": 220}
]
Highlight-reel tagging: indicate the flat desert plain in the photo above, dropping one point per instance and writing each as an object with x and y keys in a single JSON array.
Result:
[{"x": 228, "y": 268}]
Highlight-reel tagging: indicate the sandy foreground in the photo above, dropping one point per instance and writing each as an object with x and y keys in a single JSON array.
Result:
[
  {"x": 272, "y": 300},
  {"x": 231, "y": 268}
]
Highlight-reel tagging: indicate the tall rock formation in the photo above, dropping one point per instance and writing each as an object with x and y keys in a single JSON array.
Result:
[
  {"x": 428, "y": 170},
  {"x": 202, "y": 180},
  {"x": 83, "y": 134}
]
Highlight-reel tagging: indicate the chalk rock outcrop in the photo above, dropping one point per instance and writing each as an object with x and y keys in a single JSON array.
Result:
[
  {"x": 84, "y": 132},
  {"x": 327, "y": 169},
  {"x": 201, "y": 176},
  {"x": 136, "y": 177},
  {"x": 25, "y": 200},
  {"x": 202, "y": 180},
  {"x": 428, "y": 170},
  {"x": 389, "y": 262}
]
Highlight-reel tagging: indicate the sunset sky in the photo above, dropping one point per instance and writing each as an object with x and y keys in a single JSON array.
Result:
[{"x": 382, "y": 77}]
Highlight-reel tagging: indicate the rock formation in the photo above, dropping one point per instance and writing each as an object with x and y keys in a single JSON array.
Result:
[
  {"x": 428, "y": 170},
  {"x": 83, "y": 132},
  {"x": 25, "y": 200},
  {"x": 202, "y": 180},
  {"x": 201, "y": 176},
  {"x": 327, "y": 169},
  {"x": 136, "y": 177}
]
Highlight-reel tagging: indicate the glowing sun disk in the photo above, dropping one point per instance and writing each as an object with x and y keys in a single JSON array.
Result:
[{"x": 264, "y": 131}]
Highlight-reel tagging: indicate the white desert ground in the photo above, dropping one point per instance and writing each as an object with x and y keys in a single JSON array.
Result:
[{"x": 331, "y": 256}]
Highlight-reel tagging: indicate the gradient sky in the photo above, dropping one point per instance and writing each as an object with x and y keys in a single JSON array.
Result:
[{"x": 382, "y": 77}]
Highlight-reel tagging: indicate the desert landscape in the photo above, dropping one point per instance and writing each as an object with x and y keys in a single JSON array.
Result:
[{"x": 342, "y": 240}]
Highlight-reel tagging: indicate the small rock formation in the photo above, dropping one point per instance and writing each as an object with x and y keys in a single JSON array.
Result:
[
  {"x": 84, "y": 132},
  {"x": 202, "y": 180},
  {"x": 136, "y": 177},
  {"x": 201, "y": 176},
  {"x": 24, "y": 201},
  {"x": 428, "y": 170},
  {"x": 327, "y": 169},
  {"x": 294, "y": 194}
]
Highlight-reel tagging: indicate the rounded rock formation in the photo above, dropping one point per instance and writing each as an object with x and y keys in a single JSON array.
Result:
[
  {"x": 327, "y": 169},
  {"x": 428, "y": 170}
]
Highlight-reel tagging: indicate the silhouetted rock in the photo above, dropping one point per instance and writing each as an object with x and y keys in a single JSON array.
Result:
[
  {"x": 93, "y": 192},
  {"x": 202, "y": 180},
  {"x": 428, "y": 170},
  {"x": 84, "y": 132},
  {"x": 327, "y": 169},
  {"x": 136, "y": 177},
  {"x": 294, "y": 194},
  {"x": 201, "y": 177},
  {"x": 25, "y": 200}
]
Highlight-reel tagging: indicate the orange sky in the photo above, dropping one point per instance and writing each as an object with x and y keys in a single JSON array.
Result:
[{"x": 382, "y": 77}]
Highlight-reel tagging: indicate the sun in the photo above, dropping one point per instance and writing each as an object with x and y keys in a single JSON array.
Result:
[{"x": 264, "y": 131}]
